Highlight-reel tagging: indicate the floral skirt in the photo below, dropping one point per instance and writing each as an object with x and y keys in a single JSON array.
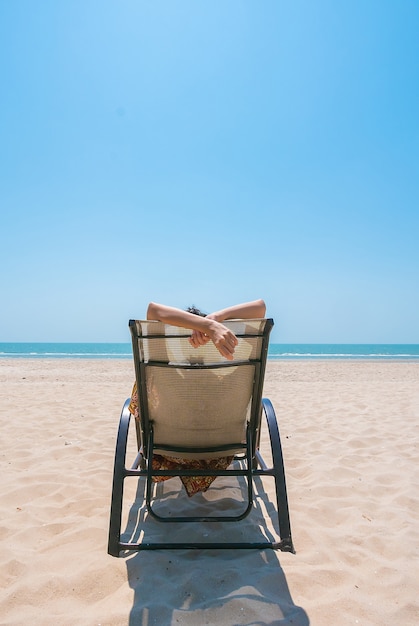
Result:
[{"x": 192, "y": 484}]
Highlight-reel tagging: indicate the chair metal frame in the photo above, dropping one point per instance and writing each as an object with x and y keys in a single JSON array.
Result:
[{"x": 251, "y": 463}]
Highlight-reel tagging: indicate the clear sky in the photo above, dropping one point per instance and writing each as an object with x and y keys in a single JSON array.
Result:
[{"x": 208, "y": 153}]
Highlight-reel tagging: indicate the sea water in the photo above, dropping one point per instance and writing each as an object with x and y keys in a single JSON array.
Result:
[
  {"x": 344, "y": 351},
  {"x": 277, "y": 351},
  {"x": 66, "y": 350}
]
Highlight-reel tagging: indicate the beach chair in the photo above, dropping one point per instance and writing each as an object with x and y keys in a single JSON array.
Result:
[{"x": 195, "y": 404}]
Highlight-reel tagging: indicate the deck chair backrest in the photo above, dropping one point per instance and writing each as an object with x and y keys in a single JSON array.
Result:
[{"x": 198, "y": 403}]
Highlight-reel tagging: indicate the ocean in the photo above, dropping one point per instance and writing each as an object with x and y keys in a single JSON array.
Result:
[{"x": 277, "y": 351}]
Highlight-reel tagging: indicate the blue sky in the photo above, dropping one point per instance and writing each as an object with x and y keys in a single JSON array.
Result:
[{"x": 185, "y": 152}]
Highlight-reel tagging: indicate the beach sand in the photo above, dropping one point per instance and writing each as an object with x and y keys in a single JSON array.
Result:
[{"x": 350, "y": 441}]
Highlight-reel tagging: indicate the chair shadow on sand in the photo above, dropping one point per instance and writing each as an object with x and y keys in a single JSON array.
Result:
[{"x": 229, "y": 587}]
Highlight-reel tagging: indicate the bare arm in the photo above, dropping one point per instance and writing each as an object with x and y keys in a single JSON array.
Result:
[
  {"x": 224, "y": 340},
  {"x": 173, "y": 316},
  {"x": 246, "y": 310}
]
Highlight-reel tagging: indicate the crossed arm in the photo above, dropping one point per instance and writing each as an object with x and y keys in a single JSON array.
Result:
[{"x": 209, "y": 328}]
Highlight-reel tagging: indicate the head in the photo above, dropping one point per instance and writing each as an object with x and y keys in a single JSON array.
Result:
[{"x": 192, "y": 309}]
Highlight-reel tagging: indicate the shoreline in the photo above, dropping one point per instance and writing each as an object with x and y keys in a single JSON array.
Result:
[{"x": 332, "y": 359}]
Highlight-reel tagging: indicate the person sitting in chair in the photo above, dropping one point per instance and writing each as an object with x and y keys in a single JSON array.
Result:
[{"x": 204, "y": 328}]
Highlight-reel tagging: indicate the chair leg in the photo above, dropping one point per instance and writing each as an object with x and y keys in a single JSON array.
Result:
[
  {"x": 279, "y": 474},
  {"x": 118, "y": 482}
]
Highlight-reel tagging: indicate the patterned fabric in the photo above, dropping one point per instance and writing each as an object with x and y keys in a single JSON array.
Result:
[
  {"x": 192, "y": 484},
  {"x": 133, "y": 407}
]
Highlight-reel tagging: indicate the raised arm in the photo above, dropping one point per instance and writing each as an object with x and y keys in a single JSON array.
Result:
[
  {"x": 246, "y": 310},
  {"x": 172, "y": 315},
  {"x": 224, "y": 340}
]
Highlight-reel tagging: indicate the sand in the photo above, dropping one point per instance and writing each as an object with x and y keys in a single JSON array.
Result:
[{"x": 350, "y": 442}]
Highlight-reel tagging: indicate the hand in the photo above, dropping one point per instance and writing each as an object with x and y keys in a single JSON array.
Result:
[
  {"x": 198, "y": 338},
  {"x": 223, "y": 339}
]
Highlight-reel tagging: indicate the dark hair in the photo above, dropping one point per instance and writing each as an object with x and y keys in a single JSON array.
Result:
[{"x": 195, "y": 311}]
